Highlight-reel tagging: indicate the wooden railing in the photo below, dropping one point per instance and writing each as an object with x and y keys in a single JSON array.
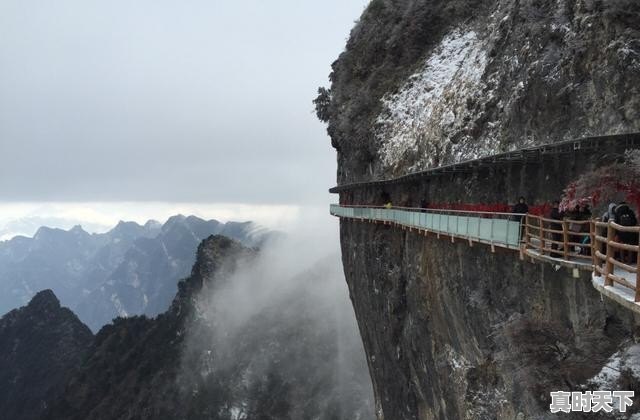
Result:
[
  {"x": 585, "y": 241},
  {"x": 614, "y": 247},
  {"x": 566, "y": 239}
]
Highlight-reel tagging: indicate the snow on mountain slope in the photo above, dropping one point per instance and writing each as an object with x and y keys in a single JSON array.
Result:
[{"x": 432, "y": 104}]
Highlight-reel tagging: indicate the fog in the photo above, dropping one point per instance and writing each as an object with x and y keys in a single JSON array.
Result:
[
  {"x": 285, "y": 312},
  {"x": 276, "y": 272}
]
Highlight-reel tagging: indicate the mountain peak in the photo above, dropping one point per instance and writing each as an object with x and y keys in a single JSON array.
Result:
[
  {"x": 44, "y": 301},
  {"x": 124, "y": 224},
  {"x": 215, "y": 250},
  {"x": 178, "y": 218},
  {"x": 216, "y": 254},
  {"x": 152, "y": 224},
  {"x": 43, "y": 231},
  {"x": 77, "y": 229},
  {"x": 40, "y": 344}
]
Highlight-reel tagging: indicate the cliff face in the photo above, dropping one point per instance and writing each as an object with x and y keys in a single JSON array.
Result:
[
  {"x": 422, "y": 83},
  {"x": 455, "y": 332},
  {"x": 452, "y": 331}
]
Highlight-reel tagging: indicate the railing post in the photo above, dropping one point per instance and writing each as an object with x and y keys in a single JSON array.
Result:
[
  {"x": 492, "y": 219},
  {"x": 565, "y": 239},
  {"x": 611, "y": 234},
  {"x": 592, "y": 235},
  {"x": 526, "y": 231},
  {"x": 541, "y": 232}
]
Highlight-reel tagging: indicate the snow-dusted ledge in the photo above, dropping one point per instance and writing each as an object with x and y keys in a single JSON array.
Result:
[{"x": 619, "y": 293}]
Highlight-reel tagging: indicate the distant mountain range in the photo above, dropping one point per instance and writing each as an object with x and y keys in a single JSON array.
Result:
[
  {"x": 130, "y": 270},
  {"x": 29, "y": 225}
]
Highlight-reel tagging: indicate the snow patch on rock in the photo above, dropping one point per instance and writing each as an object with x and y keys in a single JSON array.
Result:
[
  {"x": 627, "y": 359},
  {"x": 424, "y": 123},
  {"x": 119, "y": 306}
]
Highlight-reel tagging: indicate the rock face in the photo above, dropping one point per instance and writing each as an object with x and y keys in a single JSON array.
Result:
[
  {"x": 424, "y": 83},
  {"x": 460, "y": 333},
  {"x": 40, "y": 345},
  {"x": 130, "y": 270},
  {"x": 291, "y": 358},
  {"x": 452, "y": 331}
]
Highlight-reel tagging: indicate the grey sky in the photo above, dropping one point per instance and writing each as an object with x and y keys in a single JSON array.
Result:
[{"x": 185, "y": 101}]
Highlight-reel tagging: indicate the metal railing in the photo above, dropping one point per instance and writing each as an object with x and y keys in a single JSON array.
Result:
[{"x": 497, "y": 229}]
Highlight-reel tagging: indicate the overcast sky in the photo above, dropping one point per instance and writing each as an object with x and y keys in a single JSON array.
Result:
[{"x": 167, "y": 101}]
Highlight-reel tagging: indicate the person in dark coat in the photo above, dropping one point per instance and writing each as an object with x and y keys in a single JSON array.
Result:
[
  {"x": 521, "y": 208},
  {"x": 625, "y": 216},
  {"x": 585, "y": 212}
]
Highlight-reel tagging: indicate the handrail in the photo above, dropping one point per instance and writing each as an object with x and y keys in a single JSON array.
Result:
[
  {"x": 561, "y": 240},
  {"x": 423, "y": 210},
  {"x": 501, "y": 231},
  {"x": 610, "y": 262},
  {"x": 620, "y": 228}
]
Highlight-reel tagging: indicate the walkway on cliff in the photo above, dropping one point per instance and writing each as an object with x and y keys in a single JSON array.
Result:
[
  {"x": 577, "y": 244},
  {"x": 588, "y": 245}
]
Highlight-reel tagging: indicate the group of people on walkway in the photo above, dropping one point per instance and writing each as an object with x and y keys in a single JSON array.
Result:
[{"x": 619, "y": 213}]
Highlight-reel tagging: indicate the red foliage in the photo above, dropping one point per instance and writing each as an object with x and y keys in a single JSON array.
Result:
[{"x": 606, "y": 184}]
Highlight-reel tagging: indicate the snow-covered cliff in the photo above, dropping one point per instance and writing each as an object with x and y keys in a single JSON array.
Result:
[{"x": 424, "y": 83}]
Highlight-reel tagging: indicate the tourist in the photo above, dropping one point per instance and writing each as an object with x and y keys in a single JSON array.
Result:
[
  {"x": 625, "y": 216},
  {"x": 520, "y": 209},
  {"x": 609, "y": 215}
]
